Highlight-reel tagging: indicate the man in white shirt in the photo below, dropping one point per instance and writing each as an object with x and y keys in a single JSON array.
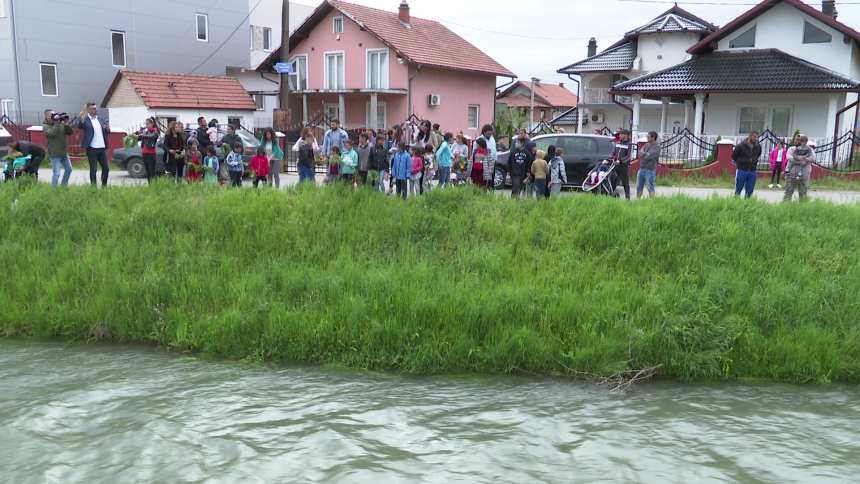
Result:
[{"x": 96, "y": 131}]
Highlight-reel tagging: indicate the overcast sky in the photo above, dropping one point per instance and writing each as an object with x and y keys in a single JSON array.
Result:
[{"x": 563, "y": 25}]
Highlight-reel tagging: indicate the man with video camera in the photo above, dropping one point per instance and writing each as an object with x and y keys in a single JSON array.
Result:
[{"x": 56, "y": 128}]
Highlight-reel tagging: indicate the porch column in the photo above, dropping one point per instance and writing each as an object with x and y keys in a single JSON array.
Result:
[
  {"x": 832, "y": 109},
  {"x": 637, "y": 108},
  {"x": 373, "y": 116},
  {"x": 700, "y": 114},
  {"x": 688, "y": 113},
  {"x": 579, "y": 111},
  {"x": 341, "y": 109},
  {"x": 664, "y": 115},
  {"x": 306, "y": 101}
]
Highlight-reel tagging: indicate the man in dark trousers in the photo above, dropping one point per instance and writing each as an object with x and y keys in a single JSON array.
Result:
[
  {"x": 95, "y": 143},
  {"x": 520, "y": 165},
  {"x": 622, "y": 154},
  {"x": 202, "y": 137},
  {"x": 36, "y": 152},
  {"x": 745, "y": 156}
]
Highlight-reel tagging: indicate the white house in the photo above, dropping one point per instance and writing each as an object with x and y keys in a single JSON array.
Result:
[
  {"x": 134, "y": 96},
  {"x": 781, "y": 66},
  {"x": 660, "y": 43}
]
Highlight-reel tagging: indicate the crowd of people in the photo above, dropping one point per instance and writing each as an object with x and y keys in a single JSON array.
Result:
[{"x": 794, "y": 163}]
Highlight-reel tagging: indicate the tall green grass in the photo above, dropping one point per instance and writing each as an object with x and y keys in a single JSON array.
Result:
[{"x": 448, "y": 282}]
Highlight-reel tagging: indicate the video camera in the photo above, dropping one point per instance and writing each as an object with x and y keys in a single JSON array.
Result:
[{"x": 60, "y": 117}]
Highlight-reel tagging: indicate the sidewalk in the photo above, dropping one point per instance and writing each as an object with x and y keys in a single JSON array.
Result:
[{"x": 118, "y": 177}]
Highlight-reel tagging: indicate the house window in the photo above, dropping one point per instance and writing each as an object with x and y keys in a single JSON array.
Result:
[
  {"x": 117, "y": 40},
  {"x": 746, "y": 39},
  {"x": 780, "y": 121},
  {"x": 267, "y": 39},
  {"x": 752, "y": 119},
  {"x": 617, "y": 79},
  {"x": 473, "y": 117},
  {"x": 235, "y": 121},
  {"x": 203, "y": 27},
  {"x": 814, "y": 35},
  {"x": 380, "y": 122},
  {"x": 377, "y": 69},
  {"x": 164, "y": 121},
  {"x": 7, "y": 108},
  {"x": 337, "y": 25},
  {"x": 333, "y": 111},
  {"x": 48, "y": 73},
  {"x": 776, "y": 118},
  {"x": 299, "y": 77},
  {"x": 334, "y": 73},
  {"x": 260, "y": 100}
]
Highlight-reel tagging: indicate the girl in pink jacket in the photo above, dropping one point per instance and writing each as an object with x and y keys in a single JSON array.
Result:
[{"x": 777, "y": 163}]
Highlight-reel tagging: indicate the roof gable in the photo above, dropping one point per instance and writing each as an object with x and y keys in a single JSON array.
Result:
[
  {"x": 422, "y": 41},
  {"x": 768, "y": 70},
  {"x": 613, "y": 59},
  {"x": 707, "y": 44},
  {"x": 185, "y": 91},
  {"x": 549, "y": 94},
  {"x": 675, "y": 19}
]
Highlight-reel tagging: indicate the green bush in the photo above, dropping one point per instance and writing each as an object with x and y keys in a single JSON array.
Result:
[{"x": 452, "y": 281}]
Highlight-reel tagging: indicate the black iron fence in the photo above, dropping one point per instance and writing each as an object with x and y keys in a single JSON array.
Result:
[
  {"x": 841, "y": 154},
  {"x": 686, "y": 151}
]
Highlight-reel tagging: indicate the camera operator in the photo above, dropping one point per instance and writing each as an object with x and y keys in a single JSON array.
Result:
[
  {"x": 36, "y": 152},
  {"x": 56, "y": 128},
  {"x": 96, "y": 131}
]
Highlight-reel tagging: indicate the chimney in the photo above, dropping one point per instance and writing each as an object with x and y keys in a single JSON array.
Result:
[
  {"x": 404, "y": 12},
  {"x": 828, "y": 7},
  {"x": 592, "y": 47},
  {"x": 561, "y": 84}
]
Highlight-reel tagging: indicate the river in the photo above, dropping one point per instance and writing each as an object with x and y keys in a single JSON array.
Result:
[{"x": 103, "y": 413}]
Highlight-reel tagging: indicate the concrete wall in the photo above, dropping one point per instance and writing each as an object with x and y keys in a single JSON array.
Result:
[
  {"x": 458, "y": 90},
  {"x": 267, "y": 13},
  {"x": 160, "y": 36},
  {"x": 8, "y": 84},
  {"x": 809, "y": 111},
  {"x": 673, "y": 51}
]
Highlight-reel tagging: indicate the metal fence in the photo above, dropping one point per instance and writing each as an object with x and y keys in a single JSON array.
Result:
[{"x": 686, "y": 151}]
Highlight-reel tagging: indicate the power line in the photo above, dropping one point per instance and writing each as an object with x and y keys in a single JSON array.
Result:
[{"x": 228, "y": 37}]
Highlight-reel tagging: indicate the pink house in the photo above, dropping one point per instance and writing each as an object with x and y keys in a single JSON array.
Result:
[{"x": 369, "y": 67}]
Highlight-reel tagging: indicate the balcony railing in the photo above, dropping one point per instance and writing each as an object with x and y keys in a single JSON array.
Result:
[{"x": 601, "y": 96}]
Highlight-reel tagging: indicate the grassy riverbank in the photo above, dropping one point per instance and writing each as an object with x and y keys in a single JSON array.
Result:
[{"x": 453, "y": 281}]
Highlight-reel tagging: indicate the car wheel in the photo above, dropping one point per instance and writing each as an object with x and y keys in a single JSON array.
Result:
[
  {"x": 135, "y": 167},
  {"x": 499, "y": 179}
]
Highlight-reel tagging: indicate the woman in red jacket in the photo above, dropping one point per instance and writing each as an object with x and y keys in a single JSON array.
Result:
[
  {"x": 777, "y": 163},
  {"x": 149, "y": 136}
]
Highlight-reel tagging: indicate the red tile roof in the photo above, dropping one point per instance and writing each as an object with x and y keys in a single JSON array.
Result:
[
  {"x": 424, "y": 42},
  {"x": 555, "y": 96},
  {"x": 186, "y": 91},
  {"x": 521, "y": 101}
]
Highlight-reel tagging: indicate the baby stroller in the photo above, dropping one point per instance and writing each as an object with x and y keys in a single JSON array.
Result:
[{"x": 601, "y": 180}]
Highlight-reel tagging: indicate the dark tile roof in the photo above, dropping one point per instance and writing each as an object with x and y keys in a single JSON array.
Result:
[
  {"x": 569, "y": 117},
  {"x": 613, "y": 59},
  {"x": 671, "y": 23},
  {"x": 749, "y": 71}
]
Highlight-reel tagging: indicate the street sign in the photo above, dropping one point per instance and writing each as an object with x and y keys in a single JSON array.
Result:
[{"x": 284, "y": 67}]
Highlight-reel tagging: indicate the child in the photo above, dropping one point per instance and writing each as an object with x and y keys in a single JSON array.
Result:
[
  {"x": 401, "y": 168},
  {"x": 12, "y": 169},
  {"x": 475, "y": 168},
  {"x": 540, "y": 170},
  {"x": 558, "y": 172},
  {"x": 212, "y": 132},
  {"x": 429, "y": 166},
  {"x": 777, "y": 163},
  {"x": 306, "y": 160},
  {"x": 417, "y": 169},
  {"x": 210, "y": 164},
  {"x": 599, "y": 174},
  {"x": 334, "y": 162},
  {"x": 350, "y": 163},
  {"x": 192, "y": 162},
  {"x": 260, "y": 167},
  {"x": 235, "y": 164}
]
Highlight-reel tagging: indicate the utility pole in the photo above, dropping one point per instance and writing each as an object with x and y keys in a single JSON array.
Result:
[
  {"x": 281, "y": 116},
  {"x": 535, "y": 80}
]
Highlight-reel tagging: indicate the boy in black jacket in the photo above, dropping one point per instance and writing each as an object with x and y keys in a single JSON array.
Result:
[{"x": 520, "y": 166}]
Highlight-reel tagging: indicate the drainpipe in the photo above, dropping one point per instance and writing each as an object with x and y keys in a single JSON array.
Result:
[
  {"x": 410, "y": 89},
  {"x": 20, "y": 104},
  {"x": 578, "y": 99},
  {"x": 262, "y": 75},
  {"x": 499, "y": 89},
  {"x": 623, "y": 106}
]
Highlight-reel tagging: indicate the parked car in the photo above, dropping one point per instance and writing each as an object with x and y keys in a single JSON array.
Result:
[
  {"x": 581, "y": 153},
  {"x": 132, "y": 160}
]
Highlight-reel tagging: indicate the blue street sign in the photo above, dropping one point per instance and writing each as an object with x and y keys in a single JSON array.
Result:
[{"x": 284, "y": 67}]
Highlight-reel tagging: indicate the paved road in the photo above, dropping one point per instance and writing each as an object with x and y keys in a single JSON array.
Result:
[{"x": 117, "y": 177}]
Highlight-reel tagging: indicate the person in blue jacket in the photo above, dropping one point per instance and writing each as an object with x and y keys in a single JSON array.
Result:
[{"x": 402, "y": 169}]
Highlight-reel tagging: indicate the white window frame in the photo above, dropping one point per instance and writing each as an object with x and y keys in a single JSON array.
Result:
[
  {"x": 803, "y": 34},
  {"x": 261, "y": 106},
  {"x": 768, "y": 116},
  {"x": 267, "y": 32},
  {"x": 334, "y": 25},
  {"x": 124, "y": 58},
  {"x": 3, "y": 10},
  {"x": 197, "y": 27},
  {"x": 383, "y": 79},
  {"x": 379, "y": 104},
  {"x": 328, "y": 106},
  {"x": 252, "y": 37},
  {"x": 307, "y": 71},
  {"x": 56, "y": 79},
  {"x": 5, "y": 104},
  {"x": 755, "y": 39},
  {"x": 325, "y": 69},
  {"x": 477, "y": 116}
]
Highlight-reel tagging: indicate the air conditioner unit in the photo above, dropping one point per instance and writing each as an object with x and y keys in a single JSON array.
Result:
[
  {"x": 434, "y": 100},
  {"x": 597, "y": 118}
]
